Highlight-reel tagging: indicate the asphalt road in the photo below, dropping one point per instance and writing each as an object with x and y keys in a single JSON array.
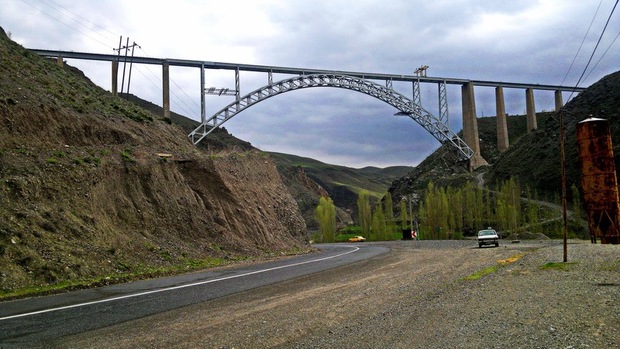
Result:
[{"x": 31, "y": 322}]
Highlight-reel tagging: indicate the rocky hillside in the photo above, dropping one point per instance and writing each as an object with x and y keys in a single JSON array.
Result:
[
  {"x": 91, "y": 185},
  {"x": 533, "y": 157}
]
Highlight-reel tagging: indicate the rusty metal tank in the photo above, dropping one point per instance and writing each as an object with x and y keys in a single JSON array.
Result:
[{"x": 598, "y": 180}]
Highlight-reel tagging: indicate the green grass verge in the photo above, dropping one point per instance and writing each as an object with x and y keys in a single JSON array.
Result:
[
  {"x": 557, "y": 266},
  {"x": 479, "y": 274},
  {"x": 489, "y": 270},
  {"x": 117, "y": 278}
]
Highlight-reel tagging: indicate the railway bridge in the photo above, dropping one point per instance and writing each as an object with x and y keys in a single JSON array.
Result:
[{"x": 377, "y": 85}]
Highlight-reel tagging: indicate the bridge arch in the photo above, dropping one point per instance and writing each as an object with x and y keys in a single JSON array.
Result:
[{"x": 404, "y": 105}]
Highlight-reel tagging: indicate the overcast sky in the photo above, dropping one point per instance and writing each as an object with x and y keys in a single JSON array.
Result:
[{"x": 541, "y": 42}]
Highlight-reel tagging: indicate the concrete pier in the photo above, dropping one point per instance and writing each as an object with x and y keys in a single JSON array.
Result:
[
  {"x": 166, "y": 89},
  {"x": 559, "y": 103},
  {"x": 470, "y": 126},
  {"x": 502, "y": 127},
  {"x": 115, "y": 78},
  {"x": 531, "y": 110}
]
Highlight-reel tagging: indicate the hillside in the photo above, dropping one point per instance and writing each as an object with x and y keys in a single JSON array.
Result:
[
  {"x": 533, "y": 157},
  {"x": 343, "y": 184},
  {"x": 85, "y": 191}
]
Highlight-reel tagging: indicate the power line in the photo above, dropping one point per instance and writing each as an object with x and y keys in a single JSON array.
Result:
[
  {"x": 83, "y": 18},
  {"x": 76, "y": 18},
  {"x": 595, "y": 47},
  {"x": 67, "y": 24},
  {"x": 601, "y": 58},
  {"x": 582, "y": 41},
  {"x": 180, "y": 100}
]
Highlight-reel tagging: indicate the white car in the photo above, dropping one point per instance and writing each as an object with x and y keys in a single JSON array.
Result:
[{"x": 488, "y": 237}]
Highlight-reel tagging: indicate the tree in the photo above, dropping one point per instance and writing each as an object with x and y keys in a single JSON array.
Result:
[
  {"x": 469, "y": 207},
  {"x": 389, "y": 215},
  {"x": 404, "y": 215},
  {"x": 455, "y": 203},
  {"x": 364, "y": 212},
  {"x": 531, "y": 212},
  {"x": 436, "y": 209},
  {"x": 379, "y": 227},
  {"x": 508, "y": 205},
  {"x": 326, "y": 215},
  {"x": 423, "y": 223}
]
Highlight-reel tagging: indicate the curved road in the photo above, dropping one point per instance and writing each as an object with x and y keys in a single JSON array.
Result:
[{"x": 30, "y": 322}]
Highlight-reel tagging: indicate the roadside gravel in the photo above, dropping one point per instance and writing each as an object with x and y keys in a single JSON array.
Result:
[{"x": 413, "y": 297}]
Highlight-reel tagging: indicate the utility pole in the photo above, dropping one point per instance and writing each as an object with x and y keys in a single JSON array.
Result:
[
  {"x": 563, "y": 164},
  {"x": 127, "y": 47}
]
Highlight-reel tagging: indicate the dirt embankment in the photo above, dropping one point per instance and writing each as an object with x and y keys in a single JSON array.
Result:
[
  {"x": 414, "y": 297},
  {"x": 66, "y": 221}
]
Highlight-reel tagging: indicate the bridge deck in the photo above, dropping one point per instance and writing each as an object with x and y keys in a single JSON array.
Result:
[{"x": 298, "y": 71}]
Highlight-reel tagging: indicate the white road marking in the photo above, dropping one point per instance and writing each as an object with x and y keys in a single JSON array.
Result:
[{"x": 355, "y": 249}]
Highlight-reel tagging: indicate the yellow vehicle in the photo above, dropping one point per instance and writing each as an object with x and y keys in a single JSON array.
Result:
[{"x": 357, "y": 239}]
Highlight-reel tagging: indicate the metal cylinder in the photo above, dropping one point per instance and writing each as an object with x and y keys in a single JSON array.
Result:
[{"x": 598, "y": 180}]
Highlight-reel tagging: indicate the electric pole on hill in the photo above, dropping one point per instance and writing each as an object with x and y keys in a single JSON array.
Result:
[{"x": 127, "y": 48}]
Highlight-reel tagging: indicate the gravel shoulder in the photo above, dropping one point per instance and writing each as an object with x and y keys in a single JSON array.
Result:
[{"x": 413, "y": 297}]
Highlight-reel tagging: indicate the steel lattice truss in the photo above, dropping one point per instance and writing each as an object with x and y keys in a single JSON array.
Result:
[{"x": 406, "y": 106}]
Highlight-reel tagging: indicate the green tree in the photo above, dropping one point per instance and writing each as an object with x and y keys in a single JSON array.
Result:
[
  {"x": 423, "y": 225},
  {"x": 326, "y": 216},
  {"x": 437, "y": 211},
  {"x": 389, "y": 215},
  {"x": 455, "y": 209},
  {"x": 404, "y": 215},
  {"x": 508, "y": 205},
  {"x": 469, "y": 207},
  {"x": 364, "y": 212},
  {"x": 532, "y": 212},
  {"x": 379, "y": 226}
]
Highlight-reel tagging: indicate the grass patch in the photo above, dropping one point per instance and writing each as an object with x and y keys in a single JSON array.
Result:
[
  {"x": 557, "y": 266},
  {"x": 500, "y": 263},
  {"x": 126, "y": 155},
  {"x": 482, "y": 273},
  {"x": 511, "y": 259},
  {"x": 141, "y": 273},
  {"x": 610, "y": 266}
]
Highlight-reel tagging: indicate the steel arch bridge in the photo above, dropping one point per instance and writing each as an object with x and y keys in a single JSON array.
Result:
[{"x": 405, "y": 106}]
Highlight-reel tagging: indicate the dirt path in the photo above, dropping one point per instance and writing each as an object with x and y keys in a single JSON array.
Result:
[{"x": 411, "y": 297}]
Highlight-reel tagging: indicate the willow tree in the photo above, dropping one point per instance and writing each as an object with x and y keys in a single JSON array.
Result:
[
  {"x": 326, "y": 216},
  {"x": 388, "y": 211},
  {"x": 379, "y": 226},
  {"x": 508, "y": 204},
  {"x": 404, "y": 216},
  {"x": 364, "y": 211},
  {"x": 436, "y": 210}
]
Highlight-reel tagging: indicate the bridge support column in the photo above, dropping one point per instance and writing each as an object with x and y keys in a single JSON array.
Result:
[
  {"x": 470, "y": 126},
  {"x": 166, "y": 89},
  {"x": 203, "y": 101},
  {"x": 502, "y": 128},
  {"x": 115, "y": 78},
  {"x": 531, "y": 110},
  {"x": 559, "y": 103}
]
